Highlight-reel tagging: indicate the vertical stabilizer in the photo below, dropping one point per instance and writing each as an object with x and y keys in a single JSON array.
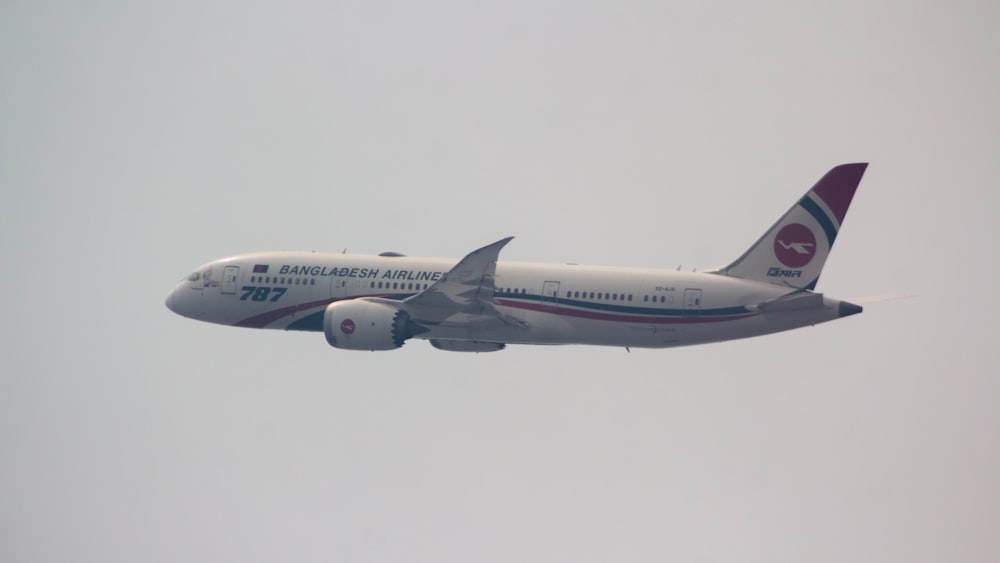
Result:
[{"x": 792, "y": 252}]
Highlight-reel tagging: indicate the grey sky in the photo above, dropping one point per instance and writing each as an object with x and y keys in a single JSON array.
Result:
[{"x": 140, "y": 140}]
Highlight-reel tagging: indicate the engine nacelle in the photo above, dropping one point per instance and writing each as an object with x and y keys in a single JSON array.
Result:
[{"x": 359, "y": 324}]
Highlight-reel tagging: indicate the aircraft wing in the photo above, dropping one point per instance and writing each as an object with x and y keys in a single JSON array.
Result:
[{"x": 463, "y": 295}]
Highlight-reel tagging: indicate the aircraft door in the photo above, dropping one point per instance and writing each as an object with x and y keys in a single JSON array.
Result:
[
  {"x": 338, "y": 287},
  {"x": 229, "y": 276},
  {"x": 692, "y": 302},
  {"x": 550, "y": 291}
]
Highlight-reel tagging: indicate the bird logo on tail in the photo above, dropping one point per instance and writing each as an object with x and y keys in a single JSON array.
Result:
[{"x": 795, "y": 245}]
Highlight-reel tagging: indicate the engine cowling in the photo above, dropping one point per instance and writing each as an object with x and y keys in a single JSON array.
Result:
[{"x": 359, "y": 324}]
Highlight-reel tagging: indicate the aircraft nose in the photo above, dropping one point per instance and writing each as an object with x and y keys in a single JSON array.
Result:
[{"x": 178, "y": 301}]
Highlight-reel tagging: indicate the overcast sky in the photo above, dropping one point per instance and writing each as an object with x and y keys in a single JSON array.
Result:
[{"x": 139, "y": 140}]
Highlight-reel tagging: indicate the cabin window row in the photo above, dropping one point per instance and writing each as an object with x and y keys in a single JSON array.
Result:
[
  {"x": 597, "y": 295},
  {"x": 399, "y": 285},
  {"x": 283, "y": 281},
  {"x": 594, "y": 295}
]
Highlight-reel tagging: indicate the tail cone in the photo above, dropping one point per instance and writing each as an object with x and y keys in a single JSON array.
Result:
[{"x": 848, "y": 309}]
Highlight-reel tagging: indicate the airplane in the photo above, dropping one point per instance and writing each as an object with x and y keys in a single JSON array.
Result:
[{"x": 481, "y": 304}]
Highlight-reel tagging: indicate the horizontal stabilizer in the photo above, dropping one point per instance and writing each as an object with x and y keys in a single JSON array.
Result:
[{"x": 790, "y": 302}]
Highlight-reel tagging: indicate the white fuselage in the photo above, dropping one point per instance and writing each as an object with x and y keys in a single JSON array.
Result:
[
  {"x": 480, "y": 304},
  {"x": 554, "y": 303}
]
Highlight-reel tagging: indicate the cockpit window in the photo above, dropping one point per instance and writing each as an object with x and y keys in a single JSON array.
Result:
[{"x": 194, "y": 277}]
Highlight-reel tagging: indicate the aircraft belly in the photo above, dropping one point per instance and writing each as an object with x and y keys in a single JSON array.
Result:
[{"x": 546, "y": 328}]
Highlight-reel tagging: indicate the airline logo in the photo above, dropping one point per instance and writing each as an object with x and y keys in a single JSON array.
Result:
[
  {"x": 347, "y": 326},
  {"x": 260, "y": 268},
  {"x": 795, "y": 245},
  {"x": 800, "y": 247}
]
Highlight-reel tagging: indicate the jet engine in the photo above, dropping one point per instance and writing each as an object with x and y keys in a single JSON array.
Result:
[{"x": 359, "y": 324}]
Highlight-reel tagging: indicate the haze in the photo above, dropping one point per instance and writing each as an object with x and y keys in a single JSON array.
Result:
[{"x": 140, "y": 140}]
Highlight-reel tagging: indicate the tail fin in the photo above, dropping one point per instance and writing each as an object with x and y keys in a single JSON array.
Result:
[{"x": 793, "y": 251}]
